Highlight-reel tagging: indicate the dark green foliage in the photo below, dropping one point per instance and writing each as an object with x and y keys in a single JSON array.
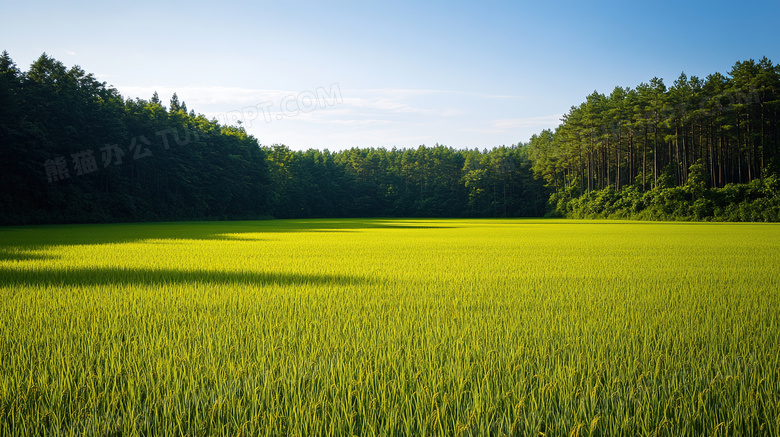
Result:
[
  {"x": 756, "y": 201},
  {"x": 424, "y": 182},
  {"x": 75, "y": 151},
  {"x": 699, "y": 150}
]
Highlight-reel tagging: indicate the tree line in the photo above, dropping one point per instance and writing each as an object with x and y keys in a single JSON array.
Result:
[
  {"x": 74, "y": 150},
  {"x": 433, "y": 181}
]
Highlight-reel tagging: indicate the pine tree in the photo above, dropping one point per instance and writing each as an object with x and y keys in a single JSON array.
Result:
[{"x": 175, "y": 106}]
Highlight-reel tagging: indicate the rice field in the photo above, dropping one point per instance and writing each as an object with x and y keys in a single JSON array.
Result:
[{"x": 390, "y": 328}]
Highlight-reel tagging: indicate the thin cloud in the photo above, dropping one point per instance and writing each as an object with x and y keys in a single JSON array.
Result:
[
  {"x": 236, "y": 98},
  {"x": 547, "y": 121},
  {"x": 382, "y": 117}
]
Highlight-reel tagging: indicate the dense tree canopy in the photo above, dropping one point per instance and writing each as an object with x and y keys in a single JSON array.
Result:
[
  {"x": 74, "y": 150},
  {"x": 700, "y": 148},
  {"x": 424, "y": 182}
]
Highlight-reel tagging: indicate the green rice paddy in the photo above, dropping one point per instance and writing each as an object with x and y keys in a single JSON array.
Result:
[{"x": 390, "y": 328}]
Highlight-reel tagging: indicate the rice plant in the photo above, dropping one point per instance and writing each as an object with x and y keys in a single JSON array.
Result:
[{"x": 390, "y": 328}]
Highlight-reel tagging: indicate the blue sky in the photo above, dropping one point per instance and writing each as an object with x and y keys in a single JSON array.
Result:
[{"x": 393, "y": 74}]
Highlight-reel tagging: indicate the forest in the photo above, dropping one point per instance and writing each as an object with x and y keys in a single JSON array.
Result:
[
  {"x": 699, "y": 149},
  {"x": 75, "y": 151}
]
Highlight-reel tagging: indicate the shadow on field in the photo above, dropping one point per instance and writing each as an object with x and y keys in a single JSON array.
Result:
[
  {"x": 132, "y": 277},
  {"x": 17, "y": 254},
  {"x": 21, "y": 242}
]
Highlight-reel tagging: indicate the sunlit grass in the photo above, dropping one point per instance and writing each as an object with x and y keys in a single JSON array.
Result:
[{"x": 389, "y": 327}]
